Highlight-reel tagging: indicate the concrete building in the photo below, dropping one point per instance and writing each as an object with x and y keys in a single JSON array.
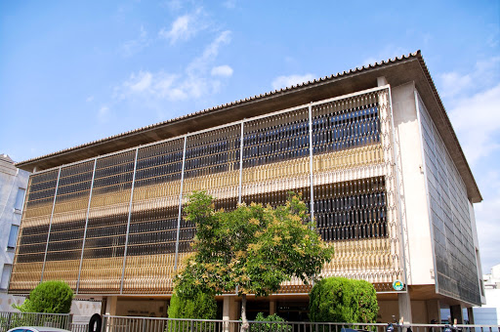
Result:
[
  {"x": 372, "y": 150},
  {"x": 13, "y": 183}
]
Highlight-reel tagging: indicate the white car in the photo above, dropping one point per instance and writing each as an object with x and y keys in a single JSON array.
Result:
[{"x": 36, "y": 329}]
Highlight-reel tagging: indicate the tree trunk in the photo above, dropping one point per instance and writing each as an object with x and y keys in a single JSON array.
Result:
[{"x": 244, "y": 321}]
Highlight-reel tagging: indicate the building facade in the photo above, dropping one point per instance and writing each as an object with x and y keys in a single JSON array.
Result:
[
  {"x": 13, "y": 183},
  {"x": 371, "y": 150}
]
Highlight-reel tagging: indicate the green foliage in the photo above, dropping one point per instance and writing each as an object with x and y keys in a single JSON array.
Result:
[
  {"x": 200, "y": 306},
  {"x": 49, "y": 297},
  {"x": 273, "y": 325},
  {"x": 252, "y": 249},
  {"x": 343, "y": 300},
  {"x": 367, "y": 301}
]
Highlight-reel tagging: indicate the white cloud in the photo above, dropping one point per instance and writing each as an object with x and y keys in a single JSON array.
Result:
[
  {"x": 477, "y": 121},
  {"x": 149, "y": 85},
  {"x": 230, "y": 4},
  {"x": 185, "y": 27},
  {"x": 89, "y": 99},
  {"x": 199, "y": 79},
  {"x": 225, "y": 71},
  {"x": 140, "y": 82},
  {"x": 484, "y": 74},
  {"x": 454, "y": 83},
  {"x": 286, "y": 81},
  {"x": 174, "y": 4},
  {"x": 134, "y": 46},
  {"x": 103, "y": 114},
  {"x": 209, "y": 54}
]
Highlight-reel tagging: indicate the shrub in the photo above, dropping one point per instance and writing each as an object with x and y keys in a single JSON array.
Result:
[
  {"x": 343, "y": 300},
  {"x": 200, "y": 306},
  {"x": 273, "y": 325},
  {"x": 52, "y": 296}
]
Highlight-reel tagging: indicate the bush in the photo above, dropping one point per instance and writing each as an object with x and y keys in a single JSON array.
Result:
[
  {"x": 273, "y": 325},
  {"x": 200, "y": 306},
  {"x": 343, "y": 300},
  {"x": 49, "y": 297}
]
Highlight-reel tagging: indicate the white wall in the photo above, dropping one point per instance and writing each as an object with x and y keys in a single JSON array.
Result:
[
  {"x": 11, "y": 179},
  {"x": 408, "y": 137}
]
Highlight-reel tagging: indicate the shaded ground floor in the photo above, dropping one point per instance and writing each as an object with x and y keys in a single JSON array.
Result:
[{"x": 420, "y": 305}]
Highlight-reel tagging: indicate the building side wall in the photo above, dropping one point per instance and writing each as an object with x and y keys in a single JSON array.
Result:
[
  {"x": 420, "y": 260},
  {"x": 114, "y": 225},
  {"x": 12, "y": 181},
  {"x": 455, "y": 254}
]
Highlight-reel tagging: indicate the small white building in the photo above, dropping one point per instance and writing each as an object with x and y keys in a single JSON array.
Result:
[
  {"x": 489, "y": 313},
  {"x": 13, "y": 183}
]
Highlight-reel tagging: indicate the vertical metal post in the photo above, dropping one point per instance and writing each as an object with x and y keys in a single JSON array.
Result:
[
  {"x": 86, "y": 225},
  {"x": 128, "y": 220},
  {"x": 241, "y": 163},
  {"x": 398, "y": 202},
  {"x": 50, "y": 222},
  {"x": 426, "y": 185},
  {"x": 180, "y": 204},
  {"x": 311, "y": 163}
]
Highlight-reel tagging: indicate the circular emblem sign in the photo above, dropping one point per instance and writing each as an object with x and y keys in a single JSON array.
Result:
[{"x": 398, "y": 285}]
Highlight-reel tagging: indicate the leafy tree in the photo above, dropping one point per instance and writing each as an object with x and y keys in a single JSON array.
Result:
[
  {"x": 343, "y": 300},
  {"x": 52, "y": 296},
  {"x": 252, "y": 249},
  {"x": 200, "y": 306}
]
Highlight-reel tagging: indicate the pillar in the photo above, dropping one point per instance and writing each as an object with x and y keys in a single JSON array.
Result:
[
  {"x": 381, "y": 81},
  {"x": 229, "y": 312},
  {"x": 404, "y": 307},
  {"x": 272, "y": 307},
  {"x": 111, "y": 302},
  {"x": 433, "y": 311},
  {"x": 470, "y": 315},
  {"x": 456, "y": 314}
]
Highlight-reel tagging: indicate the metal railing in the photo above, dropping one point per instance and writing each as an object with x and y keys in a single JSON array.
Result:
[
  {"x": 79, "y": 327},
  {"x": 148, "y": 324},
  {"x": 10, "y": 320}
]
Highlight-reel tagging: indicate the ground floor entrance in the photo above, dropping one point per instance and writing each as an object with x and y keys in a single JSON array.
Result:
[{"x": 418, "y": 306}]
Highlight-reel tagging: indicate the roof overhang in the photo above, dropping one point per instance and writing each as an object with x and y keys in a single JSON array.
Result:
[{"x": 398, "y": 71}]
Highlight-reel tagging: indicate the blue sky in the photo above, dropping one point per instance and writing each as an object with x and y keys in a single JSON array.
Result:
[{"x": 73, "y": 72}]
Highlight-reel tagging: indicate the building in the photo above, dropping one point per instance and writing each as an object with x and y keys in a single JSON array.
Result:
[
  {"x": 13, "y": 183},
  {"x": 489, "y": 314},
  {"x": 372, "y": 151}
]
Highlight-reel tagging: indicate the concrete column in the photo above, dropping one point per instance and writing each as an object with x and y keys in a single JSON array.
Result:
[
  {"x": 456, "y": 314},
  {"x": 433, "y": 311},
  {"x": 381, "y": 81},
  {"x": 225, "y": 308},
  {"x": 229, "y": 312},
  {"x": 404, "y": 308},
  {"x": 111, "y": 302},
  {"x": 273, "y": 307},
  {"x": 470, "y": 314}
]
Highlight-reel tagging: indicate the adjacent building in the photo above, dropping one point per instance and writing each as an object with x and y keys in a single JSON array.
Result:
[
  {"x": 489, "y": 314},
  {"x": 13, "y": 183},
  {"x": 372, "y": 151}
]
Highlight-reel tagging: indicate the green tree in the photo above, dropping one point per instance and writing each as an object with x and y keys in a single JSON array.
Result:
[
  {"x": 200, "y": 306},
  {"x": 343, "y": 300},
  {"x": 52, "y": 296},
  {"x": 250, "y": 250}
]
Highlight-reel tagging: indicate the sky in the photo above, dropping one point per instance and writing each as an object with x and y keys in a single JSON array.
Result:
[{"x": 72, "y": 72}]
